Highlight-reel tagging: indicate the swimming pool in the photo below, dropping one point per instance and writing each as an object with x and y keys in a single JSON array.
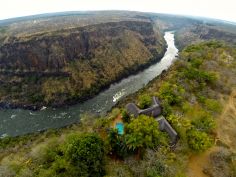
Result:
[{"x": 120, "y": 128}]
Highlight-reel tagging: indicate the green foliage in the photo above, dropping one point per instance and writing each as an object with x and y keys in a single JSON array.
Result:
[
  {"x": 86, "y": 152},
  {"x": 214, "y": 44},
  {"x": 143, "y": 132},
  {"x": 114, "y": 113},
  {"x": 51, "y": 153},
  {"x": 213, "y": 105},
  {"x": 36, "y": 98},
  {"x": 3, "y": 29},
  {"x": 125, "y": 116},
  {"x": 117, "y": 143},
  {"x": 156, "y": 170},
  {"x": 79, "y": 155},
  {"x": 198, "y": 141},
  {"x": 166, "y": 108},
  {"x": 144, "y": 101},
  {"x": 180, "y": 125},
  {"x": 171, "y": 93},
  {"x": 199, "y": 75},
  {"x": 202, "y": 46},
  {"x": 8, "y": 141},
  {"x": 204, "y": 122},
  {"x": 196, "y": 62}
]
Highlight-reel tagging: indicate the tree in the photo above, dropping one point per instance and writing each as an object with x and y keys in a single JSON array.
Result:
[
  {"x": 142, "y": 132},
  {"x": 86, "y": 152},
  {"x": 117, "y": 143},
  {"x": 144, "y": 101},
  {"x": 198, "y": 141},
  {"x": 171, "y": 93},
  {"x": 125, "y": 116}
]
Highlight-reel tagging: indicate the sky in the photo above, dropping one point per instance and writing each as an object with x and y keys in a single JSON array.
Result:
[{"x": 220, "y": 9}]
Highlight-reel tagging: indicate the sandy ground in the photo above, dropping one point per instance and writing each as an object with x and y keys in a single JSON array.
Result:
[{"x": 226, "y": 133}]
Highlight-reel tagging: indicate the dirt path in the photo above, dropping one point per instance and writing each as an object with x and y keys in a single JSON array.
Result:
[
  {"x": 197, "y": 163},
  {"x": 226, "y": 130},
  {"x": 226, "y": 133}
]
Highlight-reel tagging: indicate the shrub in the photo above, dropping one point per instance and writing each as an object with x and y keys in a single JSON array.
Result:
[
  {"x": 205, "y": 122},
  {"x": 7, "y": 141},
  {"x": 213, "y": 105},
  {"x": 198, "y": 141},
  {"x": 156, "y": 170}
]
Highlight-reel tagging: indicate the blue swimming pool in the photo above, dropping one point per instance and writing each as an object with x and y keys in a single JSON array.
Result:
[{"x": 120, "y": 128}]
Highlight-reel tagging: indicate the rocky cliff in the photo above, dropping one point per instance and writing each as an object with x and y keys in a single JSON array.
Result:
[{"x": 69, "y": 65}]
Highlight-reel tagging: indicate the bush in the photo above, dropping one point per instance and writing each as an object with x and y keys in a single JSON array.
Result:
[
  {"x": 86, "y": 153},
  {"x": 198, "y": 141},
  {"x": 144, "y": 101},
  {"x": 204, "y": 122},
  {"x": 213, "y": 105}
]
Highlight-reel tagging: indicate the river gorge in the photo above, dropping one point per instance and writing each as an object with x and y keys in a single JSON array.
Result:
[{"x": 15, "y": 122}]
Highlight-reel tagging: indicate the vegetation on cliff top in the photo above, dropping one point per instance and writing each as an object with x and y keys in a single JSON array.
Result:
[{"x": 191, "y": 93}]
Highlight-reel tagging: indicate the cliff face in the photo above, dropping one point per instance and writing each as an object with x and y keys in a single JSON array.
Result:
[
  {"x": 64, "y": 66},
  {"x": 199, "y": 33},
  {"x": 55, "y": 50}
]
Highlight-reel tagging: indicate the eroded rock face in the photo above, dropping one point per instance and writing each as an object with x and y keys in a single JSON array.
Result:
[
  {"x": 56, "y": 67},
  {"x": 51, "y": 52}
]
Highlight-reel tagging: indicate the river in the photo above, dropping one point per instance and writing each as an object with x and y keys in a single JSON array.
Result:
[{"x": 15, "y": 122}]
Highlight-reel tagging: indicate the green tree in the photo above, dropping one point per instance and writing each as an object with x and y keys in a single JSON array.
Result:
[
  {"x": 171, "y": 93},
  {"x": 125, "y": 116},
  {"x": 86, "y": 152},
  {"x": 142, "y": 132},
  {"x": 144, "y": 101},
  {"x": 117, "y": 143},
  {"x": 198, "y": 141}
]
